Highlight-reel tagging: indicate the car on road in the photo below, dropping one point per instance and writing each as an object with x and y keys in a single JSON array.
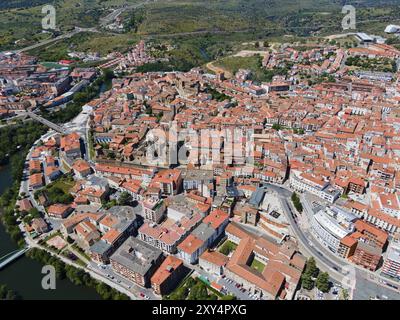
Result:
[{"x": 391, "y": 285}]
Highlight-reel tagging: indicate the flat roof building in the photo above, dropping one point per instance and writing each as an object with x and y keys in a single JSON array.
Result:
[{"x": 136, "y": 260}]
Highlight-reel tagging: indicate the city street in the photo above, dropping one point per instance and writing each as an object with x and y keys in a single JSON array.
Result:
[{"x": 339, "y": 269}]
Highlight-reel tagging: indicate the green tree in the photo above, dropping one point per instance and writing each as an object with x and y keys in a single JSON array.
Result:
[
  {"x": 228, "y": 297},
  {"x": 125, "y": 199},
  {"x": 311, "y": 271},
  {"x": 323, "y": 282},
  {"x": 344, "y": 294},
  {"x": 198, "y": 292},
  {"x": 276, "y": 126},
  {"x": 296, "y": 202},
  {"x": 311, "y": 267},
  {"x": 306, "y": 281}
]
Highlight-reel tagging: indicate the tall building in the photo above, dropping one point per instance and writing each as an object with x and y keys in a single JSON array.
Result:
[
  {"x": 391, "y": 266},
  {"x": 168, "y": 275},
  {"x": 331, "y": 225},
  {"x": 136, "y": 260}
]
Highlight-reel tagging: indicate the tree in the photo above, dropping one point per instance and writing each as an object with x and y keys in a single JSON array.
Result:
[
  {"x": 228, "y": 297},
  {"x": 311, "y": 271},
  {"x": 306, "y": 281},
  {"x": 125, "y": 199},
  {"x": 323, "y": 282},
  {"x": 311, "y": 267},
  {"x": 344, "y": 294},
  {"x": 276, "y": 126},
  {"x": 198, "y": 292},
  {"x": 296, "y": 202},
  {"x": 34, "y": 213}
]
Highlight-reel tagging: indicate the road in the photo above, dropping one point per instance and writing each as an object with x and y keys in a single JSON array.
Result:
[
  {"x": 356, "y": 278},
  {"x": 107, "y": 273},
  {"x": 114, "y": 15},
  {"x": 93, "y": 273},
  {"x": 103, "y": 22},
  {"x": 61, "y": 37}
]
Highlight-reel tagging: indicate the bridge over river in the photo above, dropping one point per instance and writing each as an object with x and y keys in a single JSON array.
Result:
[{"x": 11, "y": 256}]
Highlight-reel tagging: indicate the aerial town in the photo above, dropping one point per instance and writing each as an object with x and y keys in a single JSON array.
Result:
[{"x": 172, "y": 180}]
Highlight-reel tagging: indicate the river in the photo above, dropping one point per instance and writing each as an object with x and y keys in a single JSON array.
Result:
[{"x": 24, "y": 275}]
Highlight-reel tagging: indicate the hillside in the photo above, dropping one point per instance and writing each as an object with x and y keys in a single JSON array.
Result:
[{"x": 199, "y": 29}]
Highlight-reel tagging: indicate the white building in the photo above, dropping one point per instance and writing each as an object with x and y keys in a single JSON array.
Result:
[
  {"x": 305, "y": 182},
  {"x": 391, "y": 28},
  {"x": 391, "y": 266},
  {"x": 331, "y": 225}
]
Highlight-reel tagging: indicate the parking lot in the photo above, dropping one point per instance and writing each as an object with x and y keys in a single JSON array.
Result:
[{"x": 234, "y": 288}]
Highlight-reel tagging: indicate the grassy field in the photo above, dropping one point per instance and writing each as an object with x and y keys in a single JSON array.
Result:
[
  {"x": 257, "y": 265},
  {"x": 227, "y": 247},
  {"x": 64, "y": 184}
]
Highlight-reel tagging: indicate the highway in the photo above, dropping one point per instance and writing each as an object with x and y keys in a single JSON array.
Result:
[{"x": 61, "y": 37}]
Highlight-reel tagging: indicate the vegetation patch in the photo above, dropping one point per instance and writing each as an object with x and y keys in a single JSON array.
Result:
[
  {"x": 253, "y": 64},
  {"x": 227, "y": 248},
  {"x": 58, "y": 191},
  {"x": 77, "y": 276},
  {"x": 257, "y": 265}
]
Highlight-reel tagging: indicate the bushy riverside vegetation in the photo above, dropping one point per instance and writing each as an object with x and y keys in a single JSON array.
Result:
[
  {"x": 12, "y": 137},
  {"x": 17, "y": 138},
  {"x": 8, "y": 294},
  {"x": 77, "y": 276}
]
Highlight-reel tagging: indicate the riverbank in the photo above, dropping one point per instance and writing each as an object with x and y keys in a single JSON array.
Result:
[{"x": 28, "y": 284}]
